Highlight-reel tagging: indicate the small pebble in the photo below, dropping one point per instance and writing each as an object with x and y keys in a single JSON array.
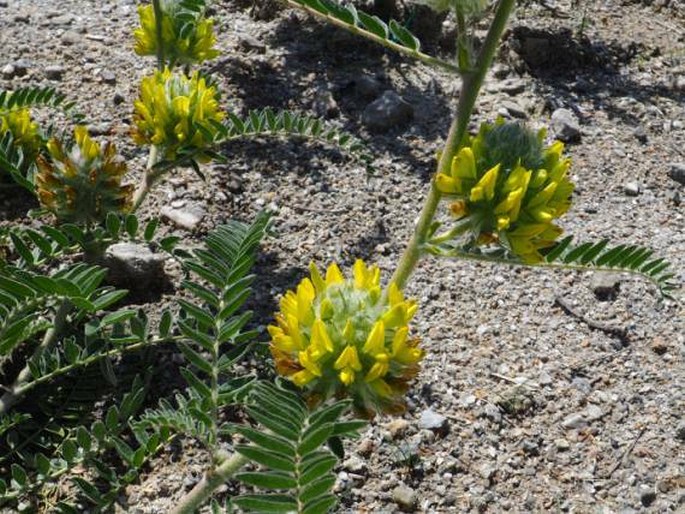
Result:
[{"x": 405, "y": 498}]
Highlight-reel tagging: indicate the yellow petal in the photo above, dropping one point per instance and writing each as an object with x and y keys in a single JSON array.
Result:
[
  {"x": 334, "y": 275},
  {"x": 395, "y": 294},
  {"x": 375, "y": 342},
  {"x": 446, "y": 184},
  {"x": 348, "y": 358},
  {"x": 464, "y": 164},
  {"x": 346, "y": 376},
  {"x": 302, "y": 378},
  {"x": 309, "y": 363},
  {"x": 317, "y": 280},
  {"x": 378, "y": 370},
  {"x": 320, "y": 338}
]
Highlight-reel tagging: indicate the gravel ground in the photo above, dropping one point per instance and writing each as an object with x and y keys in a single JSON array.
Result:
[{"x": 521, "y": 405}]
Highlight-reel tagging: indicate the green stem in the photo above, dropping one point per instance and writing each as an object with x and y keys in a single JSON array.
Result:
[
  {"x": 427, "y": 59},
  {"x": 209, "y": 483},
  {"x": 149, "y": 178},
  {"x": 159, "y": 18},
  {"x": 15, "y": 392},
  {"x": 471, "y": 84}
]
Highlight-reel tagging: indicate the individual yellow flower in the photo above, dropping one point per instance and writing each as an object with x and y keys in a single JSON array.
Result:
[
  {"x": 335, "y": 336},
  {"x": 25, "y": 133},
  {"x": 183, "y": 41},
  {"x": 83, "y": 184},
  {"x": 509, "y": 188},
  {"x": 176, "y": 112}
]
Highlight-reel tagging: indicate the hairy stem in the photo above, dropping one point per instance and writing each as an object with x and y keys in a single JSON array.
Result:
[
  {"x": 157, "y": 7},
  {"x": 209, "y": 483},
  {"x": 427, "y": 59},
  {"x": 149, "y": 178},
  {"x": 471, "y": 84},
  {"x": 15, "y": 392}
]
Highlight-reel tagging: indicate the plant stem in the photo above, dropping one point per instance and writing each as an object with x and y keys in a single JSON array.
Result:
[
  {"x": 159, "y": 17},
  {"x": 15, "y": 392},
  {"x": 427, "y": 59},
  {"x": 149, "y": 178},
  {"x": 209, "y": 483},
  {"x": 471, "y": 84}
]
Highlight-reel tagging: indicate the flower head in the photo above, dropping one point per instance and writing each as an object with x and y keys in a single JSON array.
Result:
[
  {"x": 83, "y": 184},
  {"x": 182, "y": 42},
  {"x": 175, "y": 111},
  {"x": 338, "y": 336},
  {"x": 507, "y": 187},
  {"x": 24, "y": 130}
]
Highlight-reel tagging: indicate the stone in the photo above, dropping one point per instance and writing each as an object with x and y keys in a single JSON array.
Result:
[
  {"x": 108, "y": 77},
  {"x": 70, "y": 38},
  {"x": 134, "y": 266},
  {"x": 562, "y": 444},
  {"x": 605, "y": 286},
  {"x": 54, "y": 72},
  {"x": 632, "y": 189},
  {"x": 680, "y": 431},
  {"x": 640, "y": 134},
  {"x": 187, "y": 219},
  {"x": 514, "y": 109},
  {"x": 367, "y": 87},
  {"x": 250, "y": 43},
  {"x": 647, "y": 495},
  {"x": 431, "y": 420},
  {"x": 387, "y": 112},
  {"x": 487, "y": 471},
  {"x": 565, "y": 126},
  {"x": 659, "y": 346},
  {"x": 593, "y": 413},
  {"x": 405, "y": 498},
  {"x": 8, "y": 71},
  {"x": 512, "y": 87},
  {"x": 573, "y": 421},
  {"x": 677, "y": 172},
  {"x": 396, "y": 427},
  {"x": 118, "y": 98},
  {"x": 324, "y": 105}
]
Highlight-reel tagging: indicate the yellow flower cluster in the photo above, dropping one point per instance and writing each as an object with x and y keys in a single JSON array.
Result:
[
  {"x": 83, "y": 184},
  {"x": 509, "y": 188},
  {"x": 175, "y": 111},
  {"x": 179, "y": 44},
  {"x": 344, "y": 337},
  {"x": 24, "y": 130}
]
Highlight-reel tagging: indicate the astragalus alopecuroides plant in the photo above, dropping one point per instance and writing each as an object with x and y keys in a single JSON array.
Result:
[{"x": 341, "y": 343}]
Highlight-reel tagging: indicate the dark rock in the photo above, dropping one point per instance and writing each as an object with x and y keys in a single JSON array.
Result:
[
  {"x": 387, "y": 112},
  {"x": 54, "y": 72},
  {"x": 367, "y": 87},
  {"x": 605, "y": 285},
  {"x": 647, "y": 495},
  {"x": 118, "y": 98},
  {"x": 677, "y": 172},
  {"x": 680, "y": 431},
  {"x": 565, "y": 126},
  {"x": 324, "y": 104},
  {"x": 640, "y": 134}
]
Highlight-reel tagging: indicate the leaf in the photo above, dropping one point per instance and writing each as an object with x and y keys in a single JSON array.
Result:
[
  {"x": 268, "y": 480},
  {"x": 266, "y": 503},
  {"x": 266, "y": 458}
]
